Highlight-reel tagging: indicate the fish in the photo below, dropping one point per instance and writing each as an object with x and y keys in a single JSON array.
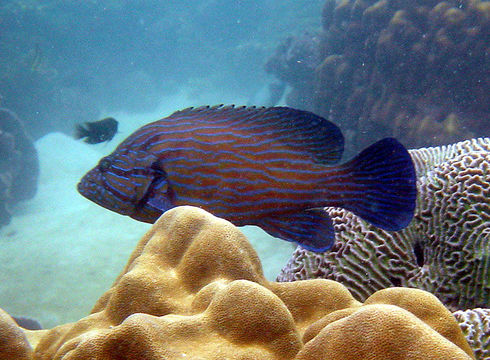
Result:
[
  {"x": 95, "y": 132},
  {"x": 273, "y": 167}
]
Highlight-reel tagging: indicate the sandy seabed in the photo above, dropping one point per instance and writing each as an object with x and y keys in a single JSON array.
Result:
[{"x": 61, "y": 252}]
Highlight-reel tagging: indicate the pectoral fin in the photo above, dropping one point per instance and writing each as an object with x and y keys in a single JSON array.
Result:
[
  {"x": 311, "y": 229},
  {"x": 159, "y": 194}
]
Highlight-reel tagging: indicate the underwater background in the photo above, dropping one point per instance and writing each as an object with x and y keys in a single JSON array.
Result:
[{"x": 414, "y": 70}]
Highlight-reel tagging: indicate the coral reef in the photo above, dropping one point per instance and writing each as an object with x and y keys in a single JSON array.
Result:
[
  {"x": 294, "y": 63},
  {"x": 446, "y": 248},
  {"x": 19, "y": 164},
  {"x": 194, "y": 287},
  {"x": 475, "y": 324},
  {"x": 415, "y": 70}
]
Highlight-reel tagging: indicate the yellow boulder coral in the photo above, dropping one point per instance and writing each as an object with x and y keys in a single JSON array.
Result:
[
  {"x": 194, "y": 288},
  {"x": 13, "y": 342},
  {"x": 379, "y": 332}
]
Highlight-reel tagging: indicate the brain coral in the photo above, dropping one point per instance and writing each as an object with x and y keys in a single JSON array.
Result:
[
  {"x": 413, "y": 69},
  {"x": 194, "y": 288},
  {"x": 446, "y": 248},
  {"x": 475, "y": 324}
]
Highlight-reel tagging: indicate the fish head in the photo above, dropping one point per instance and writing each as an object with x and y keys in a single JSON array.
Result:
[{"x": 128, "y": 184}]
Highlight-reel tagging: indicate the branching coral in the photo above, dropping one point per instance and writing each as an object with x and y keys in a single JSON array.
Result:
[
  {"x": 194, "y": 288},
  {"x": 446, "y": 248}
]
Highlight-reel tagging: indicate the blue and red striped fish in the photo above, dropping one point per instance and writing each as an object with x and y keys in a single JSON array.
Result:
[{"x": 270, "y": 167}]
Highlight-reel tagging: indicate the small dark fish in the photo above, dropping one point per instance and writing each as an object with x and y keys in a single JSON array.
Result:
[
  {"x": 96, "y": 131},
  {"x": 270, "y": 167}
]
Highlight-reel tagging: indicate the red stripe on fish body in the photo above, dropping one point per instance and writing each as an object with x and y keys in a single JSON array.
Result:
[
  {"x": 234, "y": 168},
  {"x": 235, "y": 172}
]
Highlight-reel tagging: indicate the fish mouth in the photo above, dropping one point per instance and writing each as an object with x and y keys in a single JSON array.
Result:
[
  {"x": 83, "y": 189},
  {"x": 91, "y": 186},
  {"x": 91, "y": 190}
]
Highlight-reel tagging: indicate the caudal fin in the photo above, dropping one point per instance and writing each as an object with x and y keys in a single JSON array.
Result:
[
  {"x": 383, "y": 185},
  {"x": 80, "y": 131}
]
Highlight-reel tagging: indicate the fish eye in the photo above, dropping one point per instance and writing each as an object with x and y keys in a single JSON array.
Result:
[{"x": 104, "y": 164}]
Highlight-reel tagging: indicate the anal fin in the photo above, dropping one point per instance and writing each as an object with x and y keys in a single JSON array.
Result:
[{"x": 312, "y": 229}]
